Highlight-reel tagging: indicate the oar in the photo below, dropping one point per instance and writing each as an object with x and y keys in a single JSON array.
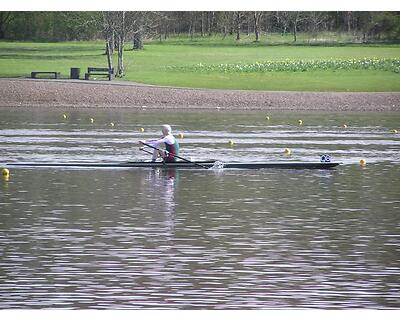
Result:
[
  {"x": 149, "y": 152},
  {"x": 141, "y": 149},
  {"x": 175, "y": 156}
]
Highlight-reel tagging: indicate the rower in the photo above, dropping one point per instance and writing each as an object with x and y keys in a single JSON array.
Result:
[{"x": 171, "y": 145}]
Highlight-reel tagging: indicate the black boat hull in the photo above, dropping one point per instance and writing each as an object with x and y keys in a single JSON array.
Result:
[{"x": 181, "y": 164}]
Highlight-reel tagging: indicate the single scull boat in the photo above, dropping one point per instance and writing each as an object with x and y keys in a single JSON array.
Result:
[{"x": 180, "y": 164}]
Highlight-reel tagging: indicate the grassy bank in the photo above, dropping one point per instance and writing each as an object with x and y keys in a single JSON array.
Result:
[{"x": 172, "y": 63}]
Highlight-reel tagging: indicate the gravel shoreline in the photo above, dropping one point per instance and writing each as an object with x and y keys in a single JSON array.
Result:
[{"x": 114, "y": 94}]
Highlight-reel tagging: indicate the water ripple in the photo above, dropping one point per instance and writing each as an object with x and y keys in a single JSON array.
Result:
[{"x": 232, "y": 239}]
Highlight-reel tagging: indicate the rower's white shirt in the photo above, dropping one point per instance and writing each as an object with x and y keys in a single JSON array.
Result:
[{"x": 169, "y": 139}]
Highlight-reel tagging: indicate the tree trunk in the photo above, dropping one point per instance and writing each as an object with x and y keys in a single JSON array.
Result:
[
  {"x": 109, "y": 55},
  {"x": 120, "y": 44},
  {"x": 191, "y": 26},
  {"x": 295, "y": 21},
  {"x": 248, "y": 24},
  {"x": 202, "y": 24},
  {"x": 5, "y": 19},
  {"x": 120, "y": 66},
  {"x": 111, "y": 45},
  {"x": 348, "y": 18},
  {"x": 137, "y": 41},
  {"x": 256, "y": 30},
  {"x": 210, "y": 26},
  {"x": 238, "y": 26},
  {"x": 114, "y": 43},
  {"x": 166, "y": 32}
]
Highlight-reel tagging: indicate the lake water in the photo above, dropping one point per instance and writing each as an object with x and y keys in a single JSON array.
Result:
[{"x": 200, "y": 239}]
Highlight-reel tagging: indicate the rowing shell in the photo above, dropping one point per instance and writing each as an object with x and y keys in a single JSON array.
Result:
[{"x": 181, "y": 164}]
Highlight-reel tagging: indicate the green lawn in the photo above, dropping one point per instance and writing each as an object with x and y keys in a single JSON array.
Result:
[{"x": 18, "y": 59}]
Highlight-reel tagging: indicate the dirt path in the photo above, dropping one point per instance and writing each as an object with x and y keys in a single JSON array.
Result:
[{"x": 103, "y": 94}]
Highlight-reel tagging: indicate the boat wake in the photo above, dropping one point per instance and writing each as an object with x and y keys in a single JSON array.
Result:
[{"x": 218, "y": 165}]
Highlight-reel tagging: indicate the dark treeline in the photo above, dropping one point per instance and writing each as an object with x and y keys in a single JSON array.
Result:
[{"x": 62, "y": 26}]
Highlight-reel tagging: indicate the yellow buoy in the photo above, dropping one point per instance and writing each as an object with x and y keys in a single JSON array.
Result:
[
  {"x": 231, "y": 142},
  {"x": 112, "y": 124},
  {"x": 180, "y": 136},
  {"x": 141, "y": 129},
  {"x": 393, "y": 131},
  {"x": 64, "y": 116},
  {"x": 91, "y": 120},
  {"x": 287, "y": 151},
  {"x": 363, "y": 162},
  {"x": 267, "y": 118},
  {"x": 300, "y": 122},
  {"x": 5, "y": 172}
]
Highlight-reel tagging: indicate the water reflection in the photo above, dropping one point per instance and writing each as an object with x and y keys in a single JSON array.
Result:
[
  {"x": 196, "y": 239},
  {"x": 219, "y": 239},
  {"x": 159, "y": 186},
  {"x": 41, "y": 137}
]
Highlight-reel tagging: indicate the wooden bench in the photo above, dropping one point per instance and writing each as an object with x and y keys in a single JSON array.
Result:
[
  {"x": 99, "y": 72},
  {"x": 54, "y": 73}
]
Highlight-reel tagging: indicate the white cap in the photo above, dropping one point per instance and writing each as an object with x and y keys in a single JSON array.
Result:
[{"x": 167, "y": 128}]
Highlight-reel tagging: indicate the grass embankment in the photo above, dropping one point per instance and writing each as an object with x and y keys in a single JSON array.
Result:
[{"x": 175, "y": 63}]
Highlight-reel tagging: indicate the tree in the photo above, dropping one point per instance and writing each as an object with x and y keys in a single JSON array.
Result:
[
  {"x": 210, "y": 21},
  {"x": 192, "y": 24},
  {"x": 114, "y": 32},
  {"x": 202, "y": 24},
  {"x": 135, "y": 27},
  {"x": 5, "y": 18},
  {"x": 119, "y": 25},
  {"x": 225, "y": 20},
  {"x": 348, "y": 18},
  {"x": 316, "y": 19},
  {"x": 295, "y": 18},
  {"x": 385, "y": 25},
  {"x": 238, "y": 23},
  {"x": 249, "y": 16},
  {"x": 257, "y": 17},
  {"x": 283, "y": 20}
]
